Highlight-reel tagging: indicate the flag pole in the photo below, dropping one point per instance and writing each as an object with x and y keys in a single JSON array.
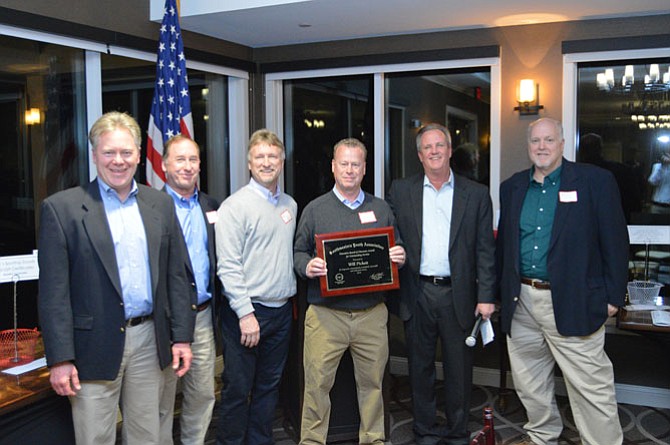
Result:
[{"x": 171, "y": 107}]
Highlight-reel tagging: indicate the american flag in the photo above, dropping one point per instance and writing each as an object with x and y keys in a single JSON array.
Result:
[{"x": 171, "y": 107}]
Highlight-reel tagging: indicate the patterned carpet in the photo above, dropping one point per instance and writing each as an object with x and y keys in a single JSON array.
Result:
[{"x": 641, "y": 425}]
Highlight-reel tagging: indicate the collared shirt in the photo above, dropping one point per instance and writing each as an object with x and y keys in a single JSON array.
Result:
[
  {"x": 193, "y": 226},
  {"x": 273, "y": 198},
  {"x": 353, "y": 205},
  {"x": 537, "y": 219},
  {"x": 436, "y": 230},
  {"x": 130, "y": 248}
]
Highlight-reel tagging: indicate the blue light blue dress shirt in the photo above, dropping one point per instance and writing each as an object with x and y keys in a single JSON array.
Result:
[
  {"x": 437, "y": 205},
  {"x": 130, "y": 248},
  {"x": 353, "y": 205},
  {"x": 194, "y": 228},
  {"x": 272, "y": 198}
]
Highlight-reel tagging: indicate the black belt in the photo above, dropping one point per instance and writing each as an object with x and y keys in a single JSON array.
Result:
[
  {"x": 536, "y": 284},
  {"x": 437, "y": 281},
  {"x": 661, "y": 204},
  {"x": 349, "y": 311},
  {"x": 137, "y": 320},
  {"x": 203, "y": 306}
]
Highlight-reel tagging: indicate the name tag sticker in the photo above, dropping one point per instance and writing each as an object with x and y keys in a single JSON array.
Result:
[
  {"x": 286, "y": 216},
  {"x": 367, "y": 217},
  {"x": 212, "y": 217},
  {"x": 567, "y": 196}
]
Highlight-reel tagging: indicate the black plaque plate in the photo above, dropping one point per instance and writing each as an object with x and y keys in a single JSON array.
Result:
[{"x": 357, "y": 261}]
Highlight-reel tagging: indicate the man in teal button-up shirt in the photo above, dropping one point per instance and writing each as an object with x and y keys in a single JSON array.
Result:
[
  {"x": 537, "y": 219},
  {"x": 562, "y": 261}
]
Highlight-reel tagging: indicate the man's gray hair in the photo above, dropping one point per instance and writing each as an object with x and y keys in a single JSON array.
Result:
[
  {"x": 556, "y": 123},
  {"x": 433, "y": 126}
]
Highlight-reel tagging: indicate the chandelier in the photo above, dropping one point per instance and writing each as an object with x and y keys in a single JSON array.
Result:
[
  {"x": 648, "y": 114},
  {"x": 651, "y": 121},
  {"x": 653, "y": 82}
]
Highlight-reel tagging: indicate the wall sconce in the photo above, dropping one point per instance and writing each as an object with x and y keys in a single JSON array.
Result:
[
  {"x": 33, "y": 116},
  {"x": 528, "y": 98}
]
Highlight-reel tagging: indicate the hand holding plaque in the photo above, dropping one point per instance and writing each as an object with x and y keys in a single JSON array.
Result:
[{"x": 357, "y": 261}]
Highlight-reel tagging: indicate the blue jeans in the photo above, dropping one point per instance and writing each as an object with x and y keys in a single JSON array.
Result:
[{"x": 251, "y": 376}]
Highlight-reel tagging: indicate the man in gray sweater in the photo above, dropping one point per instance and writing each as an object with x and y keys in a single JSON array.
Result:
[
  {"x": 254, "y": 237},
  {"x": 335, "y": 324}
]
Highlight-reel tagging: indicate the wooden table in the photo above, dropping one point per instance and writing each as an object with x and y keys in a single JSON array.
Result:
[
  {"x": 31, "y": 412},
  {"x": 640, "y": 323},
  {"x": 640, "y": 320},
  {"x": 17, "y": 391}
]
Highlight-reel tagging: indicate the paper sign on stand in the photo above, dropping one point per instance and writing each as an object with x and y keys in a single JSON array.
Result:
[{"x": 19, "y": 268}]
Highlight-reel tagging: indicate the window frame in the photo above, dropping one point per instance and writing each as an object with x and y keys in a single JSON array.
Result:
[
  {"x": 275, "y": 119},
  {"x": 238, "y": 88},
  {"x": 639, "y": 234}
]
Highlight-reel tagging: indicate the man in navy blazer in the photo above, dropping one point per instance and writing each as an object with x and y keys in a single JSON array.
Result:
[
  {"x": 562, "y": 261},
  {"x": 114, "y": 301},
  {"x": 446, "y": 224},
  {"x": 196, "y": 212}
]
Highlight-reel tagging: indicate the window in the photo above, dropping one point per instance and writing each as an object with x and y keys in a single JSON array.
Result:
[
  {"x": 603, "y": 104},
  {"x": 320, "y": 113},
  {"x": 386, "y": 100},
  {"x": 128, "y": 86},
  {"x": 43, "y": 148},
  {"x": 457, "y": 98},
  {"x": 623, "y": 125}
]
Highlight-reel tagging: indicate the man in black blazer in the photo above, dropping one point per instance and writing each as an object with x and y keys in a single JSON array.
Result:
[
  {"x": 562, "y": 260},
  {"x": 196, "y": 212},
  {"x": 114, "y": 300},
  {"x": 446, "y": 224}
]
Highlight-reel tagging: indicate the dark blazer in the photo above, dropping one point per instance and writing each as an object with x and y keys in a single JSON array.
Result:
[
  {"x": 80, "y": 302},
  {"x": 471, "y": 245},
  {"x": 588, "y": 251},
  {"x": 208, "y": 204}
]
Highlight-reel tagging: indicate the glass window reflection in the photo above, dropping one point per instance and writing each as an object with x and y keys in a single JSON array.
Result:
[
  {"x": 457, "y": 98},
  {"x": 319, "y": 113},
  {"x": 624, "y": 126},
  {"x": 128, "y": 86},
  {"x": 42, "y": 151}
]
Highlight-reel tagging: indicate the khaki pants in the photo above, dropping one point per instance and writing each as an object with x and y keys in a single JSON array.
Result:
[
  {"x": 137, "y": 386},
  {"x": 534, "y": 347},
  {"x": 328, "y": 334},
  {"x": 197, "y": 388}
]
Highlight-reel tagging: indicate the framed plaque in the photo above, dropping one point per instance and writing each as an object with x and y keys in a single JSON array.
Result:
[{"x": 357, "y": 261}]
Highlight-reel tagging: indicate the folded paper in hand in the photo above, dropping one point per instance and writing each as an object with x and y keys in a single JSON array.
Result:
[{"x": 486, "y": 330}]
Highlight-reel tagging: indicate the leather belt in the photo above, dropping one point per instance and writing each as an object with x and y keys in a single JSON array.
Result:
[
  {"x": 203, "y": 306},
  {"x": 437, "y": 281},
  {"x": 350, "y": 311},
  {"x": 536, "y": 284},
  {"x": 661, "y": 204},
  {"x": 138, "y": 320}
]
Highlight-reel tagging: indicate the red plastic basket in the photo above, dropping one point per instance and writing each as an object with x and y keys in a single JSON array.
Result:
[{"x": 17, "y": 347}]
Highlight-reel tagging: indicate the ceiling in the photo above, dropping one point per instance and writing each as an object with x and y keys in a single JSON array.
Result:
[{"x": 263, "y": 23}]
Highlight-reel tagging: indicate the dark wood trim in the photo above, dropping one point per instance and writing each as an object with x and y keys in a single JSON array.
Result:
[
  {"x": 383, "y": 59},
  {"x": 27, "y": 20},
  {"x": 616, "y": 44}
]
